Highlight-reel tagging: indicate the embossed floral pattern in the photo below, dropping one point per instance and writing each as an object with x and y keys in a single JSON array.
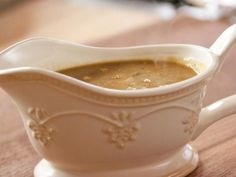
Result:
[
  {"x": 39, "y": 131},
  {"x": 121, "y": 128},
  {"x": 120, "y": 135},
  {"x": 190, "y": 123}
]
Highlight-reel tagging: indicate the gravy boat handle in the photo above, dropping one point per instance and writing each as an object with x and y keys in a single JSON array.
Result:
[
  {"x": 215, "y": 112},
  {"x": 224, "y": 42},
  {"x": 225, "y": 106}
]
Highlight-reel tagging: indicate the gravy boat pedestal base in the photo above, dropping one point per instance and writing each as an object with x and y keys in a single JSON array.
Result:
[{"x": 180, "y": 165}]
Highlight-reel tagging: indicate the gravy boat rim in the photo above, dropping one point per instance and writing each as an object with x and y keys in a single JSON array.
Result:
[{"x": 108, "y": 91}]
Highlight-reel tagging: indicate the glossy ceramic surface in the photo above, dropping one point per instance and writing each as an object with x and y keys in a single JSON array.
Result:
[{"x": 85, "y": 130}]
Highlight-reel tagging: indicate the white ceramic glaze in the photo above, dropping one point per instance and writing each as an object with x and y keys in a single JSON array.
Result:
[{"x": 89, "y": 131}]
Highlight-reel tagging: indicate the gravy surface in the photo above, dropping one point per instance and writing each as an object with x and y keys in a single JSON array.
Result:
[{"x": 128, "y": 75}]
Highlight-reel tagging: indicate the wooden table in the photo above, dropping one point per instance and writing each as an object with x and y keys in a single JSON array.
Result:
[
  {"x": 63, "y": 19},
  {"x": 109, "y": 26}
]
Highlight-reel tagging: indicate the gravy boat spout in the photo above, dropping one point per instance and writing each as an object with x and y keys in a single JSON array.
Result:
[{"x": 85, "y": 130}]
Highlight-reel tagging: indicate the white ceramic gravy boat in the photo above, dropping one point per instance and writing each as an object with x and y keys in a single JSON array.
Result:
[{"x": 89, "y": 131}]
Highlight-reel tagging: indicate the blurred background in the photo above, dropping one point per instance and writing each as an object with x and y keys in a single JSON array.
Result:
[{"x": 95, "y": 21}]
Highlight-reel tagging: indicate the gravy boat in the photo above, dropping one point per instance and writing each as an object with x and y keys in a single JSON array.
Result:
[{"x": 83, "y": 130}]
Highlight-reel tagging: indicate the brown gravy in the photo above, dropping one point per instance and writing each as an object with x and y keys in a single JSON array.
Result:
[{"x": 128, "y": 75}]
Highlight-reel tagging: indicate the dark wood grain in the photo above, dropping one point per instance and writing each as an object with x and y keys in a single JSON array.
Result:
[{"x": 217, "y": 145}]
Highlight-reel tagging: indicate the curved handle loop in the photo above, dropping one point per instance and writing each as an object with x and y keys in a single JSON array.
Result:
[
  {"x": 215, "y": 112},
  {"x": 226, "y": 106}
]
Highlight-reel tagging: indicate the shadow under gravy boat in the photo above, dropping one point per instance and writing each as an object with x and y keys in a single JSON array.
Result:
[{"x": 88, "y": 131}]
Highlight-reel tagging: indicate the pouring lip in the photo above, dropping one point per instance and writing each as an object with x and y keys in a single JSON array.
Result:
[{"x": 114, "y": 92}]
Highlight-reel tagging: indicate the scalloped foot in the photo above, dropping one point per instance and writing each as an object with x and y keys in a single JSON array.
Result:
[{"x": 179, "y": 165}]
